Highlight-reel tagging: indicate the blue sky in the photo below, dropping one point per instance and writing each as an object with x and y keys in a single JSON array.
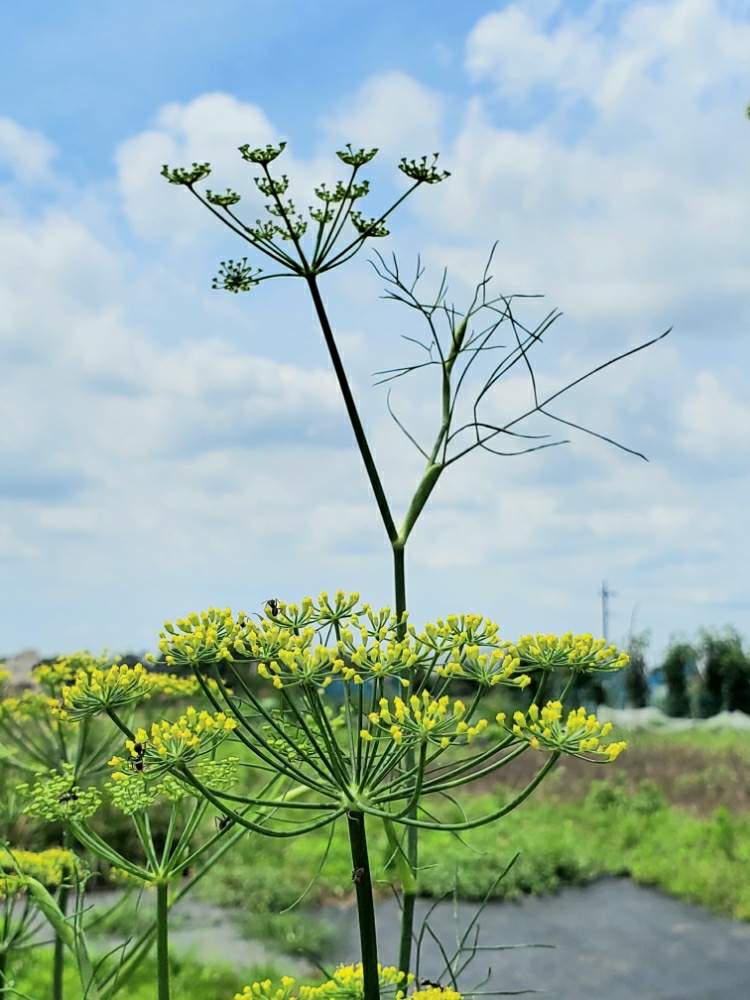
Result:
[{"x": 166, "y": 447}]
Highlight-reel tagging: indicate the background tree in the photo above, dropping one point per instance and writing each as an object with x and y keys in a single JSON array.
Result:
[
  {"x": 725, "y": 684},
  {"x": 636, "y": 674},
  {"x": 678, "y": 663}
]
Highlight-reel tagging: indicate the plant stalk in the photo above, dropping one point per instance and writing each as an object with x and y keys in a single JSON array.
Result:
[
  {"x": 58, "y": 957},
  {"x": 365, "y": 905},
  {"x": 352, "y": 412},
  {"x": 162, "y": 939}
]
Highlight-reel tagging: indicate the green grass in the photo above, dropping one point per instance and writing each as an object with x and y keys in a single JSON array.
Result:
[
  {"x": 610, "y": 832},
  {"x": 717, "y": 741}
]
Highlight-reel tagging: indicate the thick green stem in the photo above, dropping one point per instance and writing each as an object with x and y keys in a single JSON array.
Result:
[
  {"x": 399, "y": 586},
  {"x": 421, "y": 496},
  {"x": 365, "y": 905},
  {"x": 412, "y": 836},
  {"x": 352, "y": 412},
  {"x": 408, "y": 903},
  {"x": 58, "y": 957},
  {"x": 162, "y": 939}
]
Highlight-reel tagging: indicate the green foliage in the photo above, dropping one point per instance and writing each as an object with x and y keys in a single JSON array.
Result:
[
  {"x": 613, "y": 831},
  {"x": 726, "y": 674},
  {"x": 680, "y": 658},
  {"x": 191, "y": 980},
  {"x": 635, "y": 676}
]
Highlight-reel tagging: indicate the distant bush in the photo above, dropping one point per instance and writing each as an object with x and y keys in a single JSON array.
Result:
[
  {"x": 678, "y": 662},
  {"x": 635, "y": 675},
  {"x": 725, "y": 684}
]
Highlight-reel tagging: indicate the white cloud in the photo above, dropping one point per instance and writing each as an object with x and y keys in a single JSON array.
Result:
[
  {"x": 209, "y": 128},
  {"x": 715, "y": 420},
  {"x": 150, "y": 451},
  {"x": 25, "y": 152},
  {"x": 392, "y": 111}
]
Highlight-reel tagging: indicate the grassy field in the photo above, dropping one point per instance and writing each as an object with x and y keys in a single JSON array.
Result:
[
  {"x": 189, "y": 979},
  {"x": 674, "y": 812}
]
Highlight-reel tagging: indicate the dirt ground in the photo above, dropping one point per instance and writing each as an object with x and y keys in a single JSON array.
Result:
[{"x": 689, "y": 777}]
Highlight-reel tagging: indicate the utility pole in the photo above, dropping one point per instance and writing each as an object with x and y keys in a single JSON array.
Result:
[
  {"x": 606, "y": 593},
  {"x": 614, "y": 685}
]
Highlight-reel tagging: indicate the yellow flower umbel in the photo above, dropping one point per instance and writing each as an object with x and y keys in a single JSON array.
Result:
[
  {"x": 486, "y": 668},
  {"x": 28, "y": 705},
  {"x": 292, "y": 616},
  {"x": 435, "y": 993},
  {"x": 50, "y": 867},
  {"x": 339, "y": 610},
  {"x": 452, "y": 633},
  {"x": 195, "y": 734},
  {"x": 299, "y": 661},
  {"x": 581, "y": 734},
  {"x": 422, "y": 719},
  {"x": 113, "y": 688},
  {"x": 209, "y": 637},
  {"x": 576, "y": 652},
  {"x": 345, "y": 984},
  {"x": 54, "y": 676},
  {"x": 374, "y": 657}
]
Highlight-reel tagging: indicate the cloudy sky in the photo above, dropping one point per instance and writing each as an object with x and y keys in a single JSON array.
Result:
[{"x": 164, "y": 446}]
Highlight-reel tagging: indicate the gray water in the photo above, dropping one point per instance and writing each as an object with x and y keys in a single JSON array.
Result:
[{"x": 613, "y": 939}]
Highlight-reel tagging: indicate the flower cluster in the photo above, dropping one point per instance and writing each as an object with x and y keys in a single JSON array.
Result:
[
  {"x": 355, "y": 157},
  {"x": 50, "y": 867},
  {"x": 10, "y": 886},
  {"x": 423, "y": 171},
  {"x": 99, "y": 690},
  {"x": 485, "y": 669},
  {"x": 424, "y": 718},
  {"x": 28, "y": 705},
  {"x": 55, "y": 796},
  {"x": 373, "y": 643},
  {"x": 456, "y": 631},
  {"x": 62, "y": 671},
  {"x": 135, "y": 791},
  {"x": 225, "y": 200},
  {"x": 346, "y": 983},
  {"x": 261, "y": 155},
  {"x": 96, "y": 689},
  {"x": 195, "y": 734},
  {"x": 581, "y": 733},
  {"x": 186, "y": 176},
  {"x": 236, "y": 276},
  {"x": 208, "y": 637},
  {"x": 577, "y": 652},
  {"x": 298, "y": 661},
  {"x": 368, "y": 227}
]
